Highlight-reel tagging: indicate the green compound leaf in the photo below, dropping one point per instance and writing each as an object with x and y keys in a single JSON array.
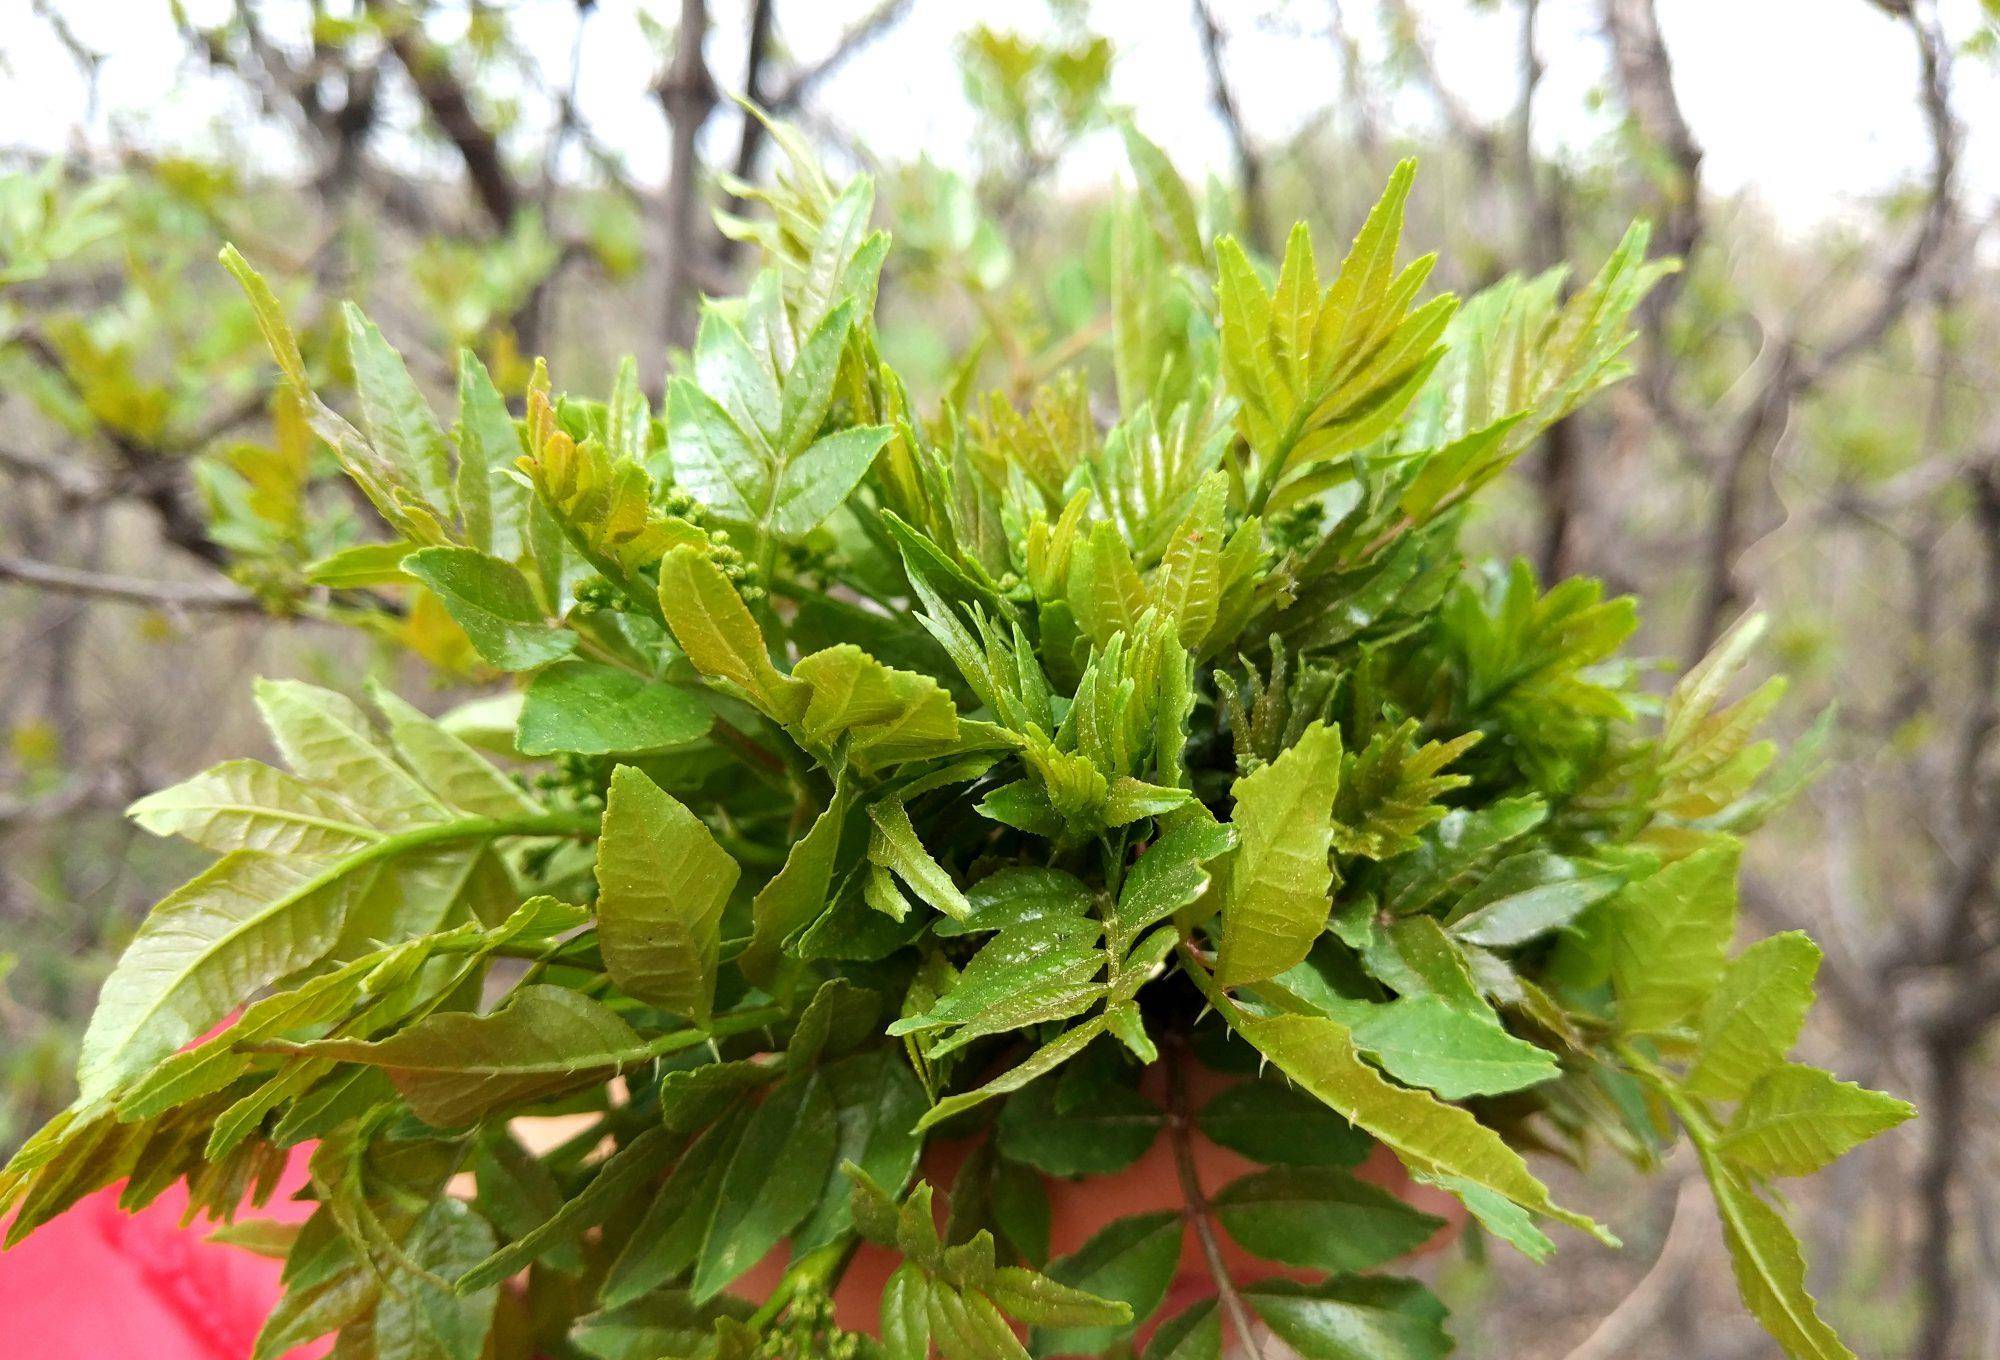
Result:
[
  {"x": 458, "y": 1068},
  {"x": 1319, "y": 1054}
]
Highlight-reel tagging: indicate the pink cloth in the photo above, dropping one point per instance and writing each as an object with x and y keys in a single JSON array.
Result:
[{"x": 100, "y": 1284}]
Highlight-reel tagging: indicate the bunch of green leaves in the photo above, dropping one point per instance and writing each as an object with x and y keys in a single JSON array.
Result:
[{"x": 878, "y": 777}]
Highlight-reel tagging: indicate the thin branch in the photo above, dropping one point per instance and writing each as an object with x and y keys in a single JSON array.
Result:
[
  {"x": 450, "y": 107},
  {"x": 801, "y": 83},
  {"x": 1900, "y": 285},
  {"x": 1198, "y": 1213},
  {"x": 1789, "y": 369},
  {"x": 1249, "y": 164},
  {"x": 686, "y": 92},
  {"x": 72, "y": 481},
  {"x": 1464, "y": 125},
  {"x": 128, "y": 589},
  {"x": 152, "y": 472},
  {"x": 750, "y": 137},
  {"x": 1355, "y": 93},
  {"x": 1558, "y": 471}
]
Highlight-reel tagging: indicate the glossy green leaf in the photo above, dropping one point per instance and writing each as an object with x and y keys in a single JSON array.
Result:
[
  {"x": 592, "y": 709},
  {"x": 1130, "y": 1261},
  {"x": 1320, "y": 1218},
  {"x": 492, "y": 601}
]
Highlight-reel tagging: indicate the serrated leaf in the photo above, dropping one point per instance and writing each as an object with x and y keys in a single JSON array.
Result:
[
  {"x": 1796, "y": 1119},
  {"x": 1770, "y": 1270},
  {"x": 449, "y": 767},
  {"x": 1423, "y": 1041},
  {"x": 234, "y": 929},
  {"x": 326, "y": 738},
  {"x": 813, "y": 485},
  {"x": 886, "y": 714},
  {"x": 1041, "y": 970},
  {"x": 1167, "y": 877},
  {"x": 1754, "y": 1016},
  {"x": 1017, "y": 895},
  {"x": 1280, "y": 879},
  {"x": 774, "y": 1177},
  {"x": 1527, "y": 896},
  {"x": 894, "y": 845},
  {"x": 1669, "y": 934},
  {"x": 1044, "y": 1060},
  {"x": 418, "y": 1318},
  {"x": 662, "y": 883},
  {"x": 1320, "y": 1055},
  {"x": 489, "y": 502},
  {"x": 716, "y": 461},
  {"x": 715, "y": 628},
  {"x": 1457, "y": 847},
  {"x": 394, "y": 413},
  {"x": 247, "y": 805},
  {"x": 621, "y": 1177}
]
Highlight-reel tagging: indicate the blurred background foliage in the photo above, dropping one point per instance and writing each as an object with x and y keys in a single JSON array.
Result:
[{"x": 1810, "y": 431}]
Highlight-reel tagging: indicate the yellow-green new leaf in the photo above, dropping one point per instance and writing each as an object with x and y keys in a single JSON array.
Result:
[
  {"x": 1670, "y": 931},
  {"x": 662, "y": 882},
  {"x": 1797, "y": 1119},
  {"x": 1280, "y": 878},
  {"x": 326, "y": 738},
  {"x": 1770, "y": 1269},
  {"x": 1430, "y": 1136},
  {"x": 1754, "y": 1017},
  {"x": 234, "y": 929},
  {"x": 893, "y": 844},
  {"x": 716, "y": 630},
  {"x": 247, "y": 805}
]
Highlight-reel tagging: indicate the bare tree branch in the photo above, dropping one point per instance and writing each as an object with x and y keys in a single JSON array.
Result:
[
  {"x": 686, "y": 92},
  {"x": 796, "y": 87},
  {"x": 204, "y": 596},
  {"x": 1249, "y": 164},
  {"x": 1789, "y": 369},
  {"x": 1412, "y": 40},
  {"x": 450, "y": 107},
  {"x": 1901, "y": 284},
  {"x": 1356, "y": 97}
]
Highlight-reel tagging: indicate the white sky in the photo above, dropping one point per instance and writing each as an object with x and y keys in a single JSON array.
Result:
[{"x": 1806, "y": 104}]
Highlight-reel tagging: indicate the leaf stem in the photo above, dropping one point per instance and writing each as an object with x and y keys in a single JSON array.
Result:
[{"x": 1198, "y": 1213}]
